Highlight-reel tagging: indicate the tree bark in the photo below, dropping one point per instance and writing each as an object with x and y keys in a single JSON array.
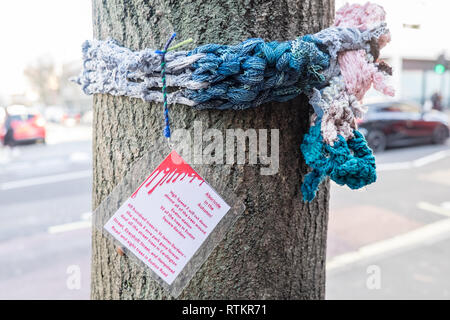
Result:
[{"x": 276, "y": 250}]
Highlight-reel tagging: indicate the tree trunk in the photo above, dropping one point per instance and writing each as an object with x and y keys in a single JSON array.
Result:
[{"x": 276, "y": 250}]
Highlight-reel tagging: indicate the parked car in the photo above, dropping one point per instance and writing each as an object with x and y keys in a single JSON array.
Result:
[
  {"x": 400, "y": 123},
  {"x": 54, "y": 114},
  {"x": 22, "y": 124},
  {"x": 71, "y": 118}
]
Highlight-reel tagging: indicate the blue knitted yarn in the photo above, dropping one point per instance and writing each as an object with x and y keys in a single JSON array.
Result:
[
  {"x": 255, "y": 72},
  {"x": 347, "y": 163}
]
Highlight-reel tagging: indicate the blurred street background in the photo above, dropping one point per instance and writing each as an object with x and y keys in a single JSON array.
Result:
[
  {"x": 46, "y": 166},
  {"x": 45, "y": 207},
  {"x": 390, "y": 240}
]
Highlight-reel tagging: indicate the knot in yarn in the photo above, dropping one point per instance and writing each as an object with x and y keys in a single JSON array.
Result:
[
  {"x": 254, "y": 72},
  {"x": 164, "y": 87},
  {"x": 348, "y": 163}
]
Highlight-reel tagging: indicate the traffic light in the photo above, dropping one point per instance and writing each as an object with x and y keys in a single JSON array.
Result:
[{"x": 441, "y": 64}]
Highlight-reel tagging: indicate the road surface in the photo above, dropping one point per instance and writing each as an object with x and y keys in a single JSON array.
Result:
[{"x": 390, "y": 240}]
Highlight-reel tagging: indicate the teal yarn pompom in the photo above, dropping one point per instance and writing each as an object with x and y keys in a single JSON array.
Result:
[{"x": 348, "y": 163}]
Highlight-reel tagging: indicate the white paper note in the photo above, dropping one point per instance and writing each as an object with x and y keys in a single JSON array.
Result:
[{"x": 168, "y": 217}]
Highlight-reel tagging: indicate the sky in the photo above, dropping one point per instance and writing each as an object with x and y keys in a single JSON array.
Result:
[
  {"x": 429, "y": 40},
  {"x": 33, "y": 28}
]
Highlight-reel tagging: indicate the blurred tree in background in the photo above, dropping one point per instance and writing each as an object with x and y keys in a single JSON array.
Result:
[
  {"x": 44, "y": 79},
  {"x": 51, "y": 84}
]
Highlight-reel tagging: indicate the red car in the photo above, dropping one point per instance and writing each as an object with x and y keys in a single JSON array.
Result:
[
  {"x": 400, "y": 123},
  {"x": 22, "y": 125}
]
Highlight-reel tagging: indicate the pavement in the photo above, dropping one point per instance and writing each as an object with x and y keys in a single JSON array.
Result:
[
  {"x": 45, "y": 210},
  {"x": 391, "y": 240}
]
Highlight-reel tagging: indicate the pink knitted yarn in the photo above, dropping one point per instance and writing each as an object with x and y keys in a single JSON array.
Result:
[
  {"x": 379, "y": 83},
  {"x": 359, "y": 74},
  {"x": 362, "y": 17},
  {"x": 384, "y": 39},
  {"x": 357, "y": 71},
  {"x": 338, "y": 120}
]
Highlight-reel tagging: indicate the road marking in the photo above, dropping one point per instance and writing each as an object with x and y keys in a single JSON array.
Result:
[
  {"x": 427, "y": 234},
  {"x": 434, "y": 208},
  {"x": 45, "y": 180},
  {"x": 414, "y": 163},
  {"x": 85, "y": 222},
  {"x": 394, "y": 166},
  {"x": 70, "y": 226},
  {"x": 431, "y": 158},
  {"x": 86, "y": 216}
]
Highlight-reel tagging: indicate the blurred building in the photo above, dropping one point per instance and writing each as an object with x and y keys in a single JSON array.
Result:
[{"x": 418, "y": 29}]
